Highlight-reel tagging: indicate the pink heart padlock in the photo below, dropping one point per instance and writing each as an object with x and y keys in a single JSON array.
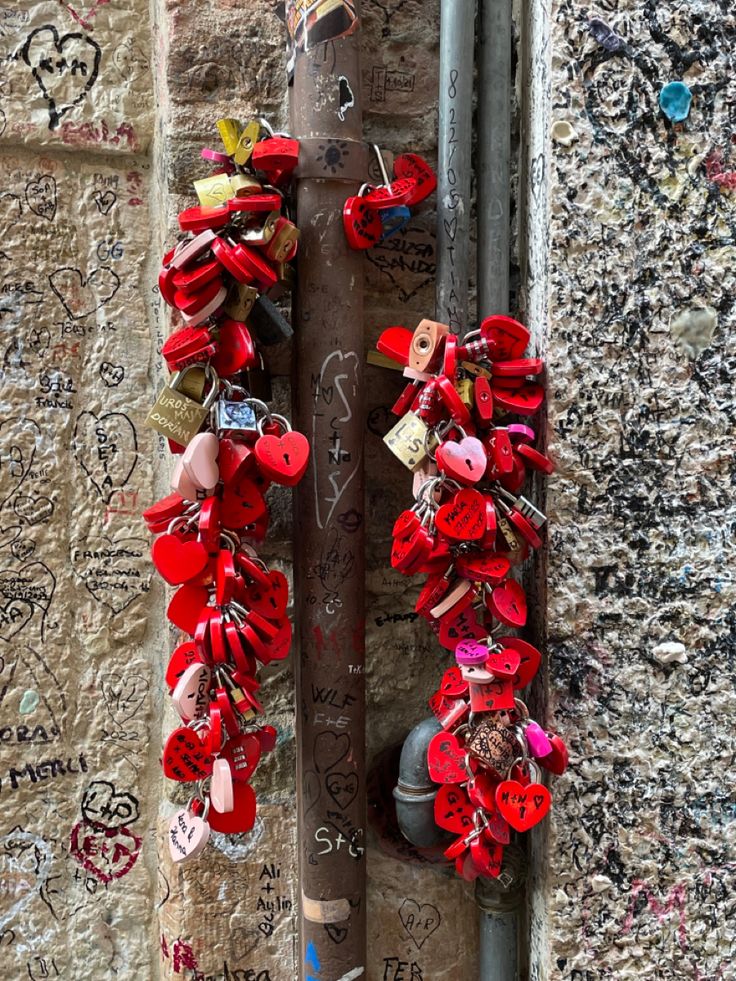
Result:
[
  {"x": 536, "y": 737},
  {"x": 188, "y": 835},
  {"x": 191, "y": 694},
  {"x": 469, "y": 652},
  {"x": 465, "y": 461},
  {"x": 200, "y": 461},
  {"x": 182, "y": 483},
  {"x": 221, "y": 788}
]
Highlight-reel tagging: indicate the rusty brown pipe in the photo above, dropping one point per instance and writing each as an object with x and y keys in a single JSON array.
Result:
[{"x": 329, "y": 546}]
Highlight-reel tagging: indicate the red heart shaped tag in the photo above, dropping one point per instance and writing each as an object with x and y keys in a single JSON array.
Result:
[
  {"x": 523, "y": 401},
  {"x": 185, "y": 607},
  {"x": 243, "y": 753},
  {"x": 363, "y": 227},
  {"x": 178, "y": 561},
  {"x": 482, "y": 791},
  {"x": 523, "y": 807},
  {"x": 269, "y": 600},
  {"x": 487, "y": 856},
  {"x": 452, "y": 810},
  {"x": 482, "y": 566},
  {"x": 446, "y": 759},
  {"x": 504, "y": 663},
  {"x": 243, "y": 815},
  {"x": 556, "y": 761},
  {"x": 492, "y": 696},
  {"x": 235, "y": 348},
  {"x": 242, "y": 504},
  {"x": 453, "y": 683},
  {"x": 182, "y": 658},
  {"x": 529, "y": 663},
  {"x": 283, "y": 458},
  {"x": 464, "y": 626},
  {"x": 412, "y": 165},
  {"x": 463, "y": 519},
  {"x": 185, "y": 759},
  {"x": 508, "y": 603},
  {"x": 464, "y": 461},
  {"x": 395, "y": 342},
  {"x": 507, "y": 338}
]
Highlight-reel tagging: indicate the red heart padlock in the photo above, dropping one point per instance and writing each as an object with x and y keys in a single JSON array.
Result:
[
  {"x": 182, "y": 658},
  {"x": 452, "y": 810},
  {"x": 412, "y": 165},
  {"x": 507, "y": 338},
  {"x": 522, "y": 807},
  {"x": 235, "y": 348},
  {"x": 185, "y": 758},
  {"x": 395, "y": 343},
  {"x": 482, "y": 566},
  {"x": 160, "y": 515},
  {"x": 283, "y": 459},
  {"x": 464, "y": 626},
  {"x": 523, "y": 401},
  {"x": 446, "y": 759},
  {"x": 487, "y": 856},
  {"x": 508, "y": 603},
  {"x": 243, "y": 753},
  {"x": 178, "y": 560},
  {"x": 464, "y": 517},
  {"x": 242, "y": 504},
  {"x": 270, "y": 600},
  {"x": 363, "y": 226},
  {"x": 243, "y": 815},
  {"x": 529, "y": 663},
  {"x": 556, "y": 761},
  {"x": 504, "y": 663},
  {"x": 186, "y": 606}
]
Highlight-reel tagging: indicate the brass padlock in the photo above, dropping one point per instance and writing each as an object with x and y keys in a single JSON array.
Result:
[
  {"x": 495, "y": 746},
  {"x": 407, "y": 440},
  {"x": 507, "y": 530},
  {"x": 244, "y": 184},
  {"x": 214, "y": 191},
  {"x": 178, "y": 417},
  {"x": 425, "y": 344},
  {"x": 193, "y": 383},
  {"x": 477, "y": 370},
  {"x": 286, "y": 280},
  {"x": 230, "y": 130},
  {"x": 238, "y": 141},
  {"x": 281, "y": 246},
  {"x": 240, "y": 301},
  {"x": 464, "y": 388}
]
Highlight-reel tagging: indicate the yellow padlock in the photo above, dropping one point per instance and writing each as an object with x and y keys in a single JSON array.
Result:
[
  {"x": 230, "y": 130},
  {"x": 213, "y": 191}
]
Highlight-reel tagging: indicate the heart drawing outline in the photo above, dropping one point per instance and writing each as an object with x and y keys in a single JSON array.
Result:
[
  {"x": 58, "y": 72},
  {"x": 81, "y": 296}
]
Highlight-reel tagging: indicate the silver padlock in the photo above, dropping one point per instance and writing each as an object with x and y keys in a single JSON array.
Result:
[{"x": 235, "y": 415}]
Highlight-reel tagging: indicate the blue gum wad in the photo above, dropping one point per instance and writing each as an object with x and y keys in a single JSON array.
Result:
[{"x": 674, "y": 101}]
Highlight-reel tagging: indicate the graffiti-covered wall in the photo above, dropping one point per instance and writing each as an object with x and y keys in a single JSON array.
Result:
[{"x": 625, "y": 243}]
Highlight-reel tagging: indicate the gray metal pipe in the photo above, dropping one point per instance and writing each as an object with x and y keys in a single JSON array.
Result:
[
  {"x": 499, "y": 901},
  {"x": 415, "y": 792},
  {"x": 493, "y": 170},
  {"x": 457, "y": 36}
]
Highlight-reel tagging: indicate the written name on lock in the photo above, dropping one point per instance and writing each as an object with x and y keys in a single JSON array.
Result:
[{"x": 177, "y": 416}]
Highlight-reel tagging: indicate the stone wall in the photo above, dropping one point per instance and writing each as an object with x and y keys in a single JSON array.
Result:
[{"x": 626, "y": 245}]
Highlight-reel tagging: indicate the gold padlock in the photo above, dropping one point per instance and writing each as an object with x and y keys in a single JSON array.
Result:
[
  {"x": 244, "y": 184},
  {"x": 464, "y": 388},
  {"x": 240, "y": 301},
  {"x": 507, "y": 530},
  {"x": 286, "y": 280},
  {"x": 178, "y": 417},
  {"x": 406, "y": 440},
  {"x": 477, "y": 370},
  {"x": 230, "y": 130},
  {"x": 193, "y": 384},
  {"x": 282, "y": 244},
  {"x": 425, "y": 343},
  {"x": 213, "y": 191},
  {"x": 246, "y": 143},
  {"x": 494, "y": 746}
]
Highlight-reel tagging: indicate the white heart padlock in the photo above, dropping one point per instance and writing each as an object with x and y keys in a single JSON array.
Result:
[
  {"x": 181, "y": 483},
  {"x": 191, "y": 694},
  {"x": 200, "y": 461},
  {"x": 188, "y": 835},
  {"x": 221, "y": 787}
]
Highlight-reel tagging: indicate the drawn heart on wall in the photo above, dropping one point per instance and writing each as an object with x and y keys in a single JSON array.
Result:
[
  {"x": 25, "y": 863},
  {"x": 115, "y": 850},
  {"x": 65, "y": 68},
  {"x": 115, "y": 572},
  {"x": 420, "y": 922},
  {"x": 104, "y": 201},
  {"x": 79, "y": 296},
  {"x": 111, "y": 374},
  {"x": 342, "y": 788},
  {"x": 123, "y": 694},
  {"x": 130, "y": 60},
  {"x": 13, "y": 617},
  {"x": 18, "y": 439},
  {"x": 41, "y": 196},
  {"x": 106, "y": 448},
  {"x": 33, "y": 583},
  {"x": 23, "y": 549},
  {"x": 409, "y": 273},
  {"x": 34, "y": 510},
  {"x": 329, "y": 749}
]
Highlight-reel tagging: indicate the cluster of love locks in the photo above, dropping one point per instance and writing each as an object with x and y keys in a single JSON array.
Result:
[
  {"x": 464, "y": 431},
  {"x": 230, "y": 447}
]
